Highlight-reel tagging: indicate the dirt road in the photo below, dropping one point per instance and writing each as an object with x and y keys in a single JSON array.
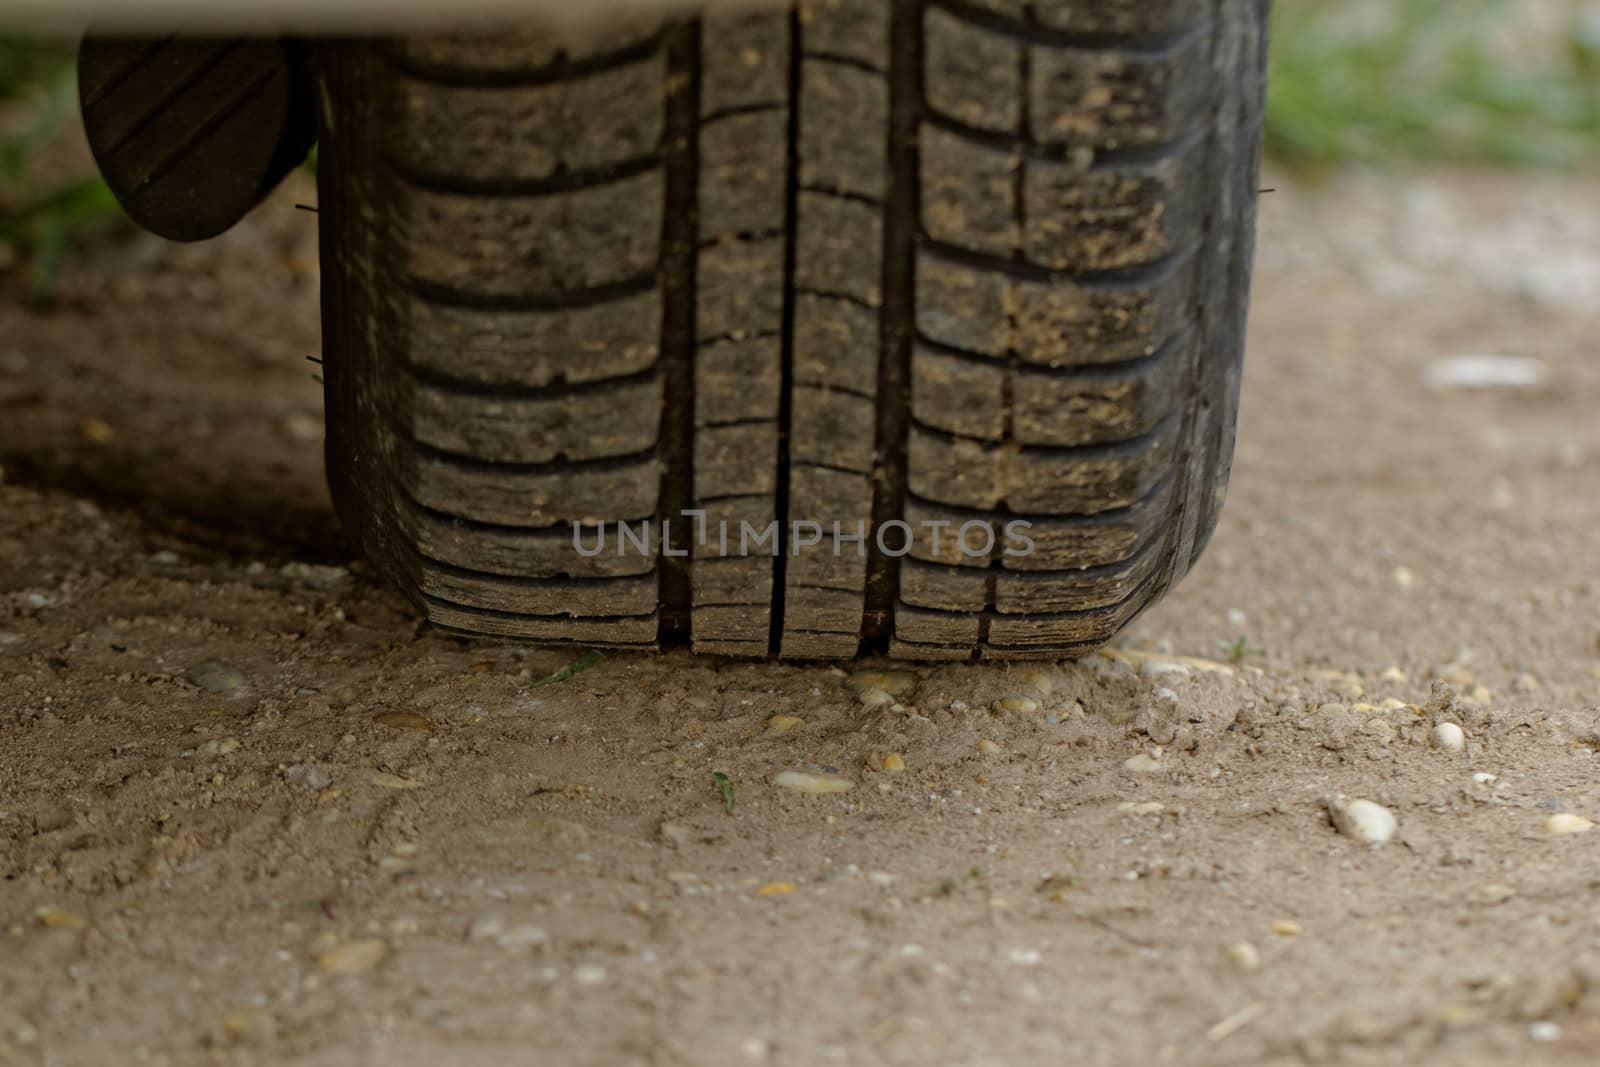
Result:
[{"x": 348, "y": 839}]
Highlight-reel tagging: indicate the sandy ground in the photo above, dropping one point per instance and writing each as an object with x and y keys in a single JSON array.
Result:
[{"x": 369, "y": 842}]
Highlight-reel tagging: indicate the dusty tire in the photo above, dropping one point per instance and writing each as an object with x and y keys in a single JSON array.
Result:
[{"x": 871, "y": 263}]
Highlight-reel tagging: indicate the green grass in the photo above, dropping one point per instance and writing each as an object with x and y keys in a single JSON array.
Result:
[
  {"x": 38, "y": 89},
  {"x": 1431, "y": 80}
]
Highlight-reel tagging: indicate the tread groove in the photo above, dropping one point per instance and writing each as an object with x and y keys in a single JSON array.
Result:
[
  {"x": 679, "y": 253},
  {"x": 896, "y": 318},
  {"x": 791, "y": 214}
]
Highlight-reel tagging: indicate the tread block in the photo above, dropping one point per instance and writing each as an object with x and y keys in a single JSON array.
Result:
[
  {"x": 1055, "y": 409},
  {"x": 531, "y": 496},
  {"x": 733, "y": 297},
  {"x": 744, "y": 61},
  {"x": 836, "y": 247},
  {"x": 835, "y": 343},
  {"x": 532, "y": 348},
  {"x": 843, "y": 113},
  {"x": 858, "y": 29},
  {"x": 969, "y": 193},
  {"x": 736, "y": 580},
  {"x": 520, "y": 134},
  {"x": 969, "y": 473},
  {"x": 959, "y": 394},
  {"x": 1114, "y": 99},
  {"x": 738, "y": 380},
  {"x": 735, "y": 459},
  {"x": 519, "y": 553},
  {"x": 1067, "y": 591},
  {"x": 1056, "y": 323},
  {"x": 605, "y": 597},
  {"x": 832, "y": 429},
  {"x": 802, "y": 645},
  {"x": 822, "y": 609},
  {"x": 1113, "y": 217},
  {"x": 912, "y": 623},
  {"x": 972, "y": 74},
  {"x": 509, "y": 429},
  {"x": 743, "y": 174},
  {"x": 942, "y": 588},
  {"x": 516, "y": 245},
  {"x": 636, "y": 631}
]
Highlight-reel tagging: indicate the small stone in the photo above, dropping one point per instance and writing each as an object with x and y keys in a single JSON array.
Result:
[
  {"x": 485, "y": 927},
  {"x": 403, "y": 720},
  {"x": 1141, "y": 764},
  {"x": 881, "y": 879},
  {"x": 1448, "y": 736},
  {"x": 1404, "y": 579},
  {"x": 893, "y": 763},
  {"x": 776, "y": 889},
  {"x": 1166, "y": 695},
  {"x": 1286, "y": 928},
  {"x": 1041, "y": 681},
  {"x": 754, "y": 1048},
  {"x": 874, "y": 697},
  {"x": 1544, "y": 1031},
  {"x": 1362, "y": 820},
  {"x": 1148, "y": 807},
  {"x": 215, "y": 675},
  {"x": 97, "y": 431},
  {"x": 780, "y": 724},
  {"x": 1394, "y": 674},
  {"x": 1484, "y": 777},
  {"x": 309, "y": 775},
  {"x": 895, "y": 683},
  {"x": 589, "y": 974},
  {"x": 353, "y": 957},
  {"x": 227, "y": 745},
  {"x": 1493, "y": 893},
  {"x": 1245, "y": 956},
  {"x": 988, "y": 748},
  {"x": 59, "y": 919},
  {"x": 1565, "y": 822},
  {"x": 1484, "y": 372},
  {"x": 802, "y": 782},
  {"x": 1024, "y": 957},
  {"x": 299, "y": 426},
  {"x": 1019, "y": 704},
  {"x": 523, "y": 936}
]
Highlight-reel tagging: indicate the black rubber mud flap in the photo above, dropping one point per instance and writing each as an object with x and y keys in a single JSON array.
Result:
[{"x": 191, "y": 133}]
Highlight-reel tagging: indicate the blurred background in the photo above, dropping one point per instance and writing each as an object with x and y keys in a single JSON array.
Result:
[{"x": 1369, "y": 83}]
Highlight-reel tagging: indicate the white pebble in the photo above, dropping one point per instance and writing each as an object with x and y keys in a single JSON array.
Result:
[
  {"x": 1022, "y": 704},
  {"x": 1141, "y": 764},
  {"x": 1245, "y": 956},
  {"x": 1565, "y": 822},
  {"x": 485, "y": 928},
  {"x": 1484, "y": 777},
  {"x": 1448, "y": 736},
  {"x": 802, "y": 782},
  {"x": 1545, "y": 1031},
  {"x": 1024, "y": 957},
  {"x": 523, "y": 935},
  {"x": 874, "y": 697},
  {"x": 589, "y": 974},
  {"x": 1484, "y": 372},
  {"x": 1362, "y": 820}
]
